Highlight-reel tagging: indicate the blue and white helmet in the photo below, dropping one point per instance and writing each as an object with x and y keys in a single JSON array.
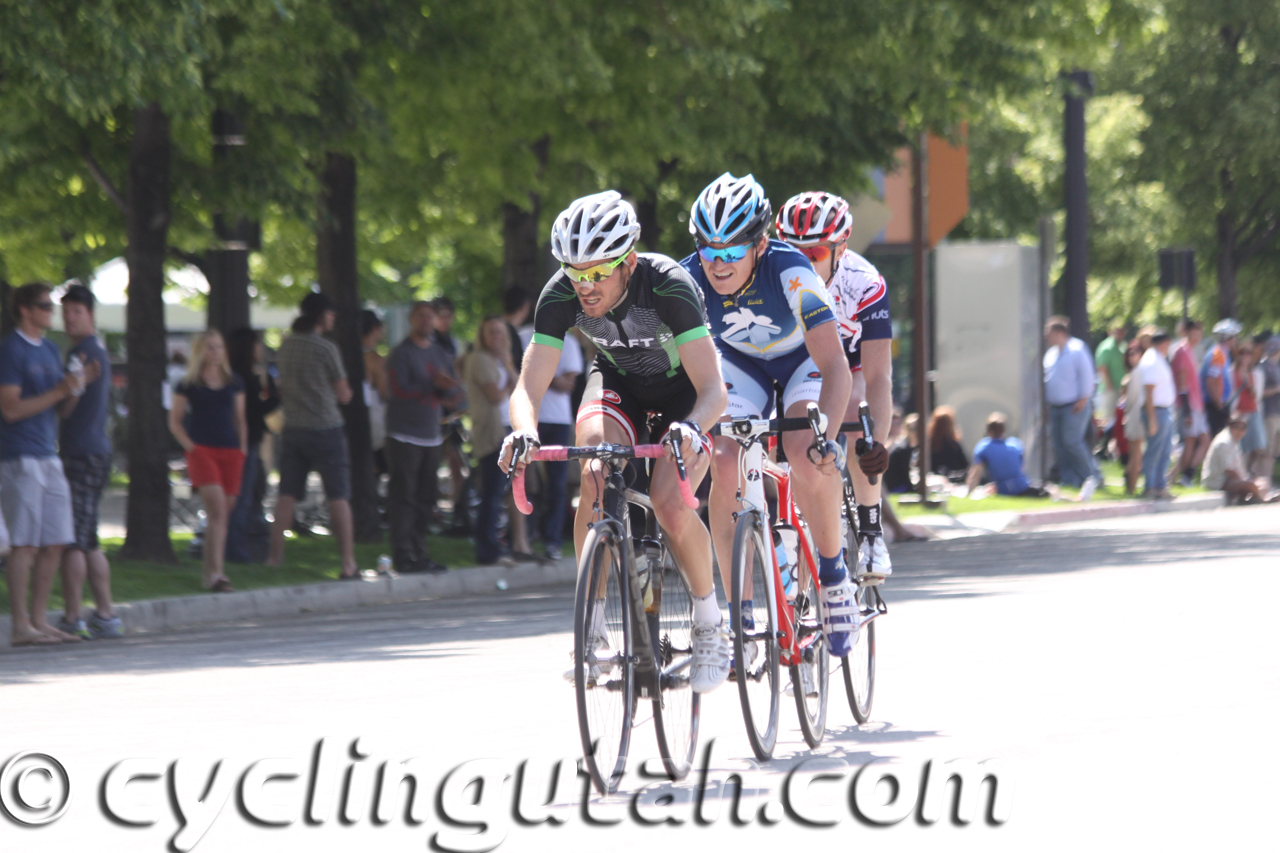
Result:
[
  {"x": 597, "y": 227},
  {"x": 730, "y": 210}
]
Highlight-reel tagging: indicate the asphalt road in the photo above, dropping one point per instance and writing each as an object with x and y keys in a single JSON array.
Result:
[{"x": 1124, "y": 673}]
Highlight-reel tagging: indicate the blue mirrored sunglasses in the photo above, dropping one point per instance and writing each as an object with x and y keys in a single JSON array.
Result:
[{"x": 729, "y": 254}]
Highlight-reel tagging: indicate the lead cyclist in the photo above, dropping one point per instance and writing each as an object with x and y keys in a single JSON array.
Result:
[
  {"x": 819, "y": 224},
  {"x": 655, "y": 354}
]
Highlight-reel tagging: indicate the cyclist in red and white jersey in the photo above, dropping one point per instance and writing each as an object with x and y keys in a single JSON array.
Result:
[{"x": 819, "y": 224}]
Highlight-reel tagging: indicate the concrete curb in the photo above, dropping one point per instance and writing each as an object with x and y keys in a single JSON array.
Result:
[
  {"x": 168, "y": 614},
  {"x": 1003, "y": 520}
]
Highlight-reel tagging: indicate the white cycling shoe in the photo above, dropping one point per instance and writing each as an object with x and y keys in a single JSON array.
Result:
[
  {"x": 873, "y": 557},
  {"x": 711, "y": 656},
  {"x": 840, "y": 617}
]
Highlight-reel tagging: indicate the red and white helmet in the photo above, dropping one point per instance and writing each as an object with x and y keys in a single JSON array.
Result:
[{"x": 814, "y": 217}]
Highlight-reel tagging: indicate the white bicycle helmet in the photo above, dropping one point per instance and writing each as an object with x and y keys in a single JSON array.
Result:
[
  {"x": 597, "y": 227},
  {"x": 730, "y": 210},
  {"x": 814, "y": 217}
]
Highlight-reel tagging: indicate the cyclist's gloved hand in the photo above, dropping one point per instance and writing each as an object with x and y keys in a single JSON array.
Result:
[
  {"x": 517, "y": 450},
  {"x": 873, "y": 461},
  {"x": 688, "y": 434},
  {"x": 827, "y": 453}
]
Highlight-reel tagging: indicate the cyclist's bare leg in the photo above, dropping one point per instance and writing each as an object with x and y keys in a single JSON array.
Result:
[
  {"x": 724, "y": 503},
  {"x": 817, "y": 490},
  {"x": 867, "y": 494},
  {"x": 686, "y": 534},
  {"x": 590, "y": 432}
]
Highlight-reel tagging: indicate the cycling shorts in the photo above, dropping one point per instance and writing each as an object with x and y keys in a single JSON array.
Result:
[
  {"x": 750, "y": 382},
  {"x": 645, "y": 408}
]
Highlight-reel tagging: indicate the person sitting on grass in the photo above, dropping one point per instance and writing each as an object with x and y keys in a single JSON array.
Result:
[
  {"x": 1000, "y": 459},
  {"x": 1224, "y": 468}
]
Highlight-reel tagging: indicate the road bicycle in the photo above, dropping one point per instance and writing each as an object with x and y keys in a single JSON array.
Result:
[
  {"x": 765, "y": 634},
  {"x": 632, "y": 622}
]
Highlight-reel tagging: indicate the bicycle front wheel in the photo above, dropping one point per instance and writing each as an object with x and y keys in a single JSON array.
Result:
[
  {"x": 604, "y": 682},
  {"x": 860, "y": 666},
  {"x": 755, "y": 645},
  {"x": 810, "y": 677},
  {"x": 676, "y": 708}
]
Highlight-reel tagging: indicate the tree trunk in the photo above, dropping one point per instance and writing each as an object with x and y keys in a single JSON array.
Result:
[
  {"x": 227, "y": 270},
  {"x": 1226, "y": 265},
  {"x": 339, "y": 280},
  {"x": 521, "y": 265},
  {"x": 6, "y": 322},
  {"x": 147, "y": 223}
]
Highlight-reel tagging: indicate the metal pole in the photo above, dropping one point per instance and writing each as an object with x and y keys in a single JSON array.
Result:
[
  {"x": 1075, "y": 275},
  {"x": 920, "y": 303}
]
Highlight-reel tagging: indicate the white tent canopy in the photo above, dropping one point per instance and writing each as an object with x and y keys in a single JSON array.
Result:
[{"x": 110, "y": 285}]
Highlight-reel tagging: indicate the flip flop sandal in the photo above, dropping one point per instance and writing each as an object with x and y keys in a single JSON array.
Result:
[{"x": 222, "y": 585}]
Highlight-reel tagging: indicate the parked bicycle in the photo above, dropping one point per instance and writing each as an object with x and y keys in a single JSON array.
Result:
[{"x": 632, "y": 622}]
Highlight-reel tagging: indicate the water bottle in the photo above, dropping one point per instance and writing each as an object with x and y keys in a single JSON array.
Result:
[
  {"x": 384, "y": 565},
  {"x": 786, "y": 542},
  {"x": 75, "y": 366}
]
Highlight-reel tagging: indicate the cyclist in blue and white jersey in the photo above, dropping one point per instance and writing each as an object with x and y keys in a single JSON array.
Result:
[
  {"x": 819, "y": 224},
  {"x": 774, "y": 321}
]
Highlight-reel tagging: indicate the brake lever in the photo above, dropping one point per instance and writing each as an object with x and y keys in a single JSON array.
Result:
[{"x": 868, "y": 438}]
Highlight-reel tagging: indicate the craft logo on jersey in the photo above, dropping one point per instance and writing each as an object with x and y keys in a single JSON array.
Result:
[
  {"x": 611, "y": 396},
  {"x": 745, "y": 323},
  {"x": 794, "y": 284},
  {"x": 813, "y": 374}
]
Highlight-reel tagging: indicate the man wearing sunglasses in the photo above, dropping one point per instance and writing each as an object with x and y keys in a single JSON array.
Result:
[
  {"x": 773, "y": 320},
  {"x": 819, "y": 224},
  {"x": 656, "y": 355}
]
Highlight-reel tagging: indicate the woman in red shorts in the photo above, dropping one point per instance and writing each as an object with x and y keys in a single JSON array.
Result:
[{"x": 207, "y": 418}]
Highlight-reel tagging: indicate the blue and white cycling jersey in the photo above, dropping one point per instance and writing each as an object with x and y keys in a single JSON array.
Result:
[
  {"x": 760, "y": 331},
  {"x": 768, "y": 318}
]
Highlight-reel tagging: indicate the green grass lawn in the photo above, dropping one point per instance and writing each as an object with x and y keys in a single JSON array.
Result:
[
  {"x": 307, "y": 560},
  {"x": 1112, "y": 473}
]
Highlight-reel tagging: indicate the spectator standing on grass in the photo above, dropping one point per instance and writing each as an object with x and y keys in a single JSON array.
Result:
[
  {"x": 1069, "y": 380},
  {"x": 1000, "y": 458},
  {"x": 376, "y": 390},
  {"x": 34, "y": 494},
  {"x": 452, "y": 447},
  {"x": 1109, "y": 358},
  {"x": 420, "y": 375},
  {"x": 208, "y": 420},
  {"x": 1135, "y": 398},
  {"x": 313, "y": 383},
  {"x": 1193, "y": 427},
  {"x": 1248, "y": 379},
  {"x": 516, "y": 306},
  {"x": 902, "y": 456},
  {"x": 555, "y": 426},
  {"x": 1271, "y": 404},
  {"x": 247, "y": 529},
  {"x": 85, "y": 450},
  {"x": 1224, "y": 467},
  {"x": 1157, "y": 410},
  {"x": 946, "y": 456},
  {"x": 1215, "y": 375},
  {"x": 491, "y": 377}
]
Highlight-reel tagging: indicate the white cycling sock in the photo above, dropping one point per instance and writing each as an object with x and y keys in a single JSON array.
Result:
[
  {"x": 597, "y": 621},
  {"x": 705, "y": 610}
]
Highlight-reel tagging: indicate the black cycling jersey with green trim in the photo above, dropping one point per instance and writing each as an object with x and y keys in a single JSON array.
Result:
[{"x": 662, "y": 309}]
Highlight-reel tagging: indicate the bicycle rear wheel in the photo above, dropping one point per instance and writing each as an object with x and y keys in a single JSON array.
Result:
[
  {"x": 755, "y": 649},
  {"x": 676, "y": 709},
  {"x": 810, "y": 688},
  {"x": 604, "y": 682},
  {"x": 860, "y": 666}
]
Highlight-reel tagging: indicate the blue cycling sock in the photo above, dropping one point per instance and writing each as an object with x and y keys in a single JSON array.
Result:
[
  {"x": 831, "y": 569},
  {"x": 748, "y": 614}
]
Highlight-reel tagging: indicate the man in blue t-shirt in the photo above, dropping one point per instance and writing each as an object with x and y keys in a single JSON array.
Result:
[
  {"x": 34, "y": 495},
  {"x": 1001, "y": 459},
  {"x": 86, "y": 460}
]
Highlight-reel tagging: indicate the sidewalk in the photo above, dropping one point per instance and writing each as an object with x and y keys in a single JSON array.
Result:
[{"x": 169, "y": 614}]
